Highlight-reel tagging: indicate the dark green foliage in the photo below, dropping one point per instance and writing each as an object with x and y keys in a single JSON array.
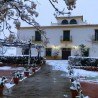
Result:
[
  {"x": 83, "y": 61},
  {"x": 19, "y": 60}
]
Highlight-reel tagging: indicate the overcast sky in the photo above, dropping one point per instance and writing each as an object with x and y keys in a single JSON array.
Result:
[{"x": 87, "y": 8}]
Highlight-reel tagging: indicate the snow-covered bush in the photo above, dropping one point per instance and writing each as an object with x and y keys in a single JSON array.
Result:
[
  {"x": 83, "y": 61},
  {"x": 2, "y": 81},
  {"x": 17, "y": 74},
  {"x": 74, "y": 60},
  {"x": 75, "y": 85},
  {"x": 83, "y": 49}
]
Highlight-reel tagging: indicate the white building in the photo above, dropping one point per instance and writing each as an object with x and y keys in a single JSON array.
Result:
[{"x": 65, "y": 36}]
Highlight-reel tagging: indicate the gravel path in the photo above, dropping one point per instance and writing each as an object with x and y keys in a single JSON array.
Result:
[{"x": 46, "y": 83}]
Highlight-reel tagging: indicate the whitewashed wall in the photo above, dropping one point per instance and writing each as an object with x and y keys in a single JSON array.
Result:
[
  {"x": 26, "y": 34},
  {"x": 80, "y": 35}
]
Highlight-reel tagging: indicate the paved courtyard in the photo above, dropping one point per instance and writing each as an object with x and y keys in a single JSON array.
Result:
[{"x": 46, "y": 83}]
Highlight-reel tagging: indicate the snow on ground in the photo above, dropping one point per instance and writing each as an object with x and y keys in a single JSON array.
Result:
[
  {"x": 5, "y": 68},
  {"x": 63, "y": 64},
  {"x": 58, "y": 64},
  {"x": 9, "y": 85},
  {"x": 11, "y": 68},
  {"x": 85, "y": 73}
]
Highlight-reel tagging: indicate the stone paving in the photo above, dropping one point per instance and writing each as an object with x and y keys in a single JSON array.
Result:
[{"x": 46, "y": 83}]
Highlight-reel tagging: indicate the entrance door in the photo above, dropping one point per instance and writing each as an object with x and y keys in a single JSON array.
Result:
[{"x": 65, "y": 53}]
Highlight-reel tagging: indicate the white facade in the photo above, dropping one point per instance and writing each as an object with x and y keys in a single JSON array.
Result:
[{"x": 79, "y": 33}]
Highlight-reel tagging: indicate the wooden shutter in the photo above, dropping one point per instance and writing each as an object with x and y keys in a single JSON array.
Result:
[
  {"x": 96, "y": 35},
  {"x": 66, "y": 35},
  {"x": 37, "y": 36}
]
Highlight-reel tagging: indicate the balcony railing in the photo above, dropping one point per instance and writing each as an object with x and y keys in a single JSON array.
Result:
[
  {"x": 66, "y": 40},
  {"x": 36, "y": 40}
]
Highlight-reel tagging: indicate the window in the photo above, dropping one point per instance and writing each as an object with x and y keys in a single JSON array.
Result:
[
  {"x": 64, "y": 22},
  {"x": 66, "y": 35},
  {"x": 96, "y": 35},
  {"x": 48, "y": 51},
  {"x": 73, "y": 21},
  {"x": 86, "y": 53},
  {"x": 25, "y": 51},
  {"x": 37, "y": 36}
]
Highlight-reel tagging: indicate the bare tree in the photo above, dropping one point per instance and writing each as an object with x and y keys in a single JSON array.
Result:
[
  {"x": 16, "y": 10},
  {"x": 3, "y": 50},
  {"x": 25, "y": 10}
]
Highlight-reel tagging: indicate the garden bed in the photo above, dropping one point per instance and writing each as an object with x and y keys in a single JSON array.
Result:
[
  {"x": 86, "y": 63},
  {"x": 90, "y": 89}
]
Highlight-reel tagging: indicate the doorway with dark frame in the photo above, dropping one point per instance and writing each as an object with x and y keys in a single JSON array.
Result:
[{"x": 66, "y": 52}]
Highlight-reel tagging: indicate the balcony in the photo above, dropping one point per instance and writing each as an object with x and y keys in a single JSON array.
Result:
[
  {"x": 94, "y": 39},
  {"x": 39, "y": 40},
  {"x": 69, "y": 40}
]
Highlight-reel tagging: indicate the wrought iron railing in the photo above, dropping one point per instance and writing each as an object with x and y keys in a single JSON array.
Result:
[{"x": 65, "y": 39}]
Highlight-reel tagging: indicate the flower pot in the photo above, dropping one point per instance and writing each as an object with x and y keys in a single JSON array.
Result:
[
  {"x": 44, "y": 62},
  {"x": 16, "y": 80},
  {"x": 74, "y": 93},
  {"x": 33, "y": 70},
  {"x": 72, "y": 79},
  {"x": 26, "y": 73},
  {"x": 1, "y": 90}
]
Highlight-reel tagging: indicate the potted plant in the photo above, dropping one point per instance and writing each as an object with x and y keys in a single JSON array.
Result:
[
  {"x": 81, "y": 95},
  {"x": 38, "y": 62},
  {"x": 2, "y": 82},
  {"x": 44, "y": 60},
  {"x": 16, "y": 76},
  {"x": 26, "y": 72},
  {"x": 75, "y": 88},
  {"x": 34, "y": 67}
]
